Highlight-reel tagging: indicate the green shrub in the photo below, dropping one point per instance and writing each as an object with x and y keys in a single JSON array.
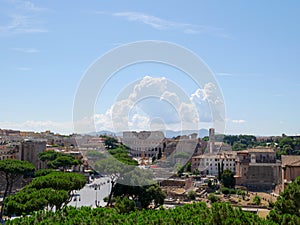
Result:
[
  {"x": 213, "y": 198},
  {"x": 225, "y": 190},
  {"x": 191, "y": 195}
]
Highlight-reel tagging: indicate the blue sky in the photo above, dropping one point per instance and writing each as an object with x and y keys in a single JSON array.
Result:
[{"x": 252, "y": 48}]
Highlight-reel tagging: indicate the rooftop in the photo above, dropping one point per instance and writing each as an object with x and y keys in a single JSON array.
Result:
[
  {"x": 225, "y": 154},
  {"x": 290, "y": 160},
  {"x": 254, "y": 150}
]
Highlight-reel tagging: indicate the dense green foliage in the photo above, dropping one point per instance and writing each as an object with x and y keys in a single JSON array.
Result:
[
  {"x": 188, "y": 167},
  {"x": 43, "y": 172},
  {"x": 256, "y": 200},
  {"x": 13, "y": 167},
  {"x": 180, "y": 169},
  {"x": 228, "y": 179},
  {"x": 284, "y": 145},
  {"x": 121, "y": 154},
  {"x": 289, "y": 146},
  {"x": 30, "y": 199},
  {"x": 213, "y": 198},
  {"x": 159, "y": 154},
  {"x": 286, "y": 208},
  {"x": 240, "y": 142},
  {"x": 227, "y": 191},
  {"x": 115, "y": 149},
  {"x": 144, "y": 195},
  {"x": 53, "y": 189},
  {"x": 56, "y": 160},
  {"x": 10, "y": 171},
  {"x": 59, "y": 181},
  {"x": 197, "y": 213},
  {"x": 196, "y": 172},
  {"x": 124, "y": 205},
  {"x": 110, "y": 142},
  {"x": 191, "y": 195}
]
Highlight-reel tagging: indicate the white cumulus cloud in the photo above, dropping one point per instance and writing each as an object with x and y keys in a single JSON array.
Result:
[
  {"x": 150, "y": 103},
  {"x": 238, "y": 121}
]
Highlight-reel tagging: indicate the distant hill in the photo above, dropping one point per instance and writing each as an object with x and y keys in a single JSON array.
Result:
[
  {"x": 168, "y": 133},
  {"x": 102, "y": 132},
  {"x": 201, "y": 133}
]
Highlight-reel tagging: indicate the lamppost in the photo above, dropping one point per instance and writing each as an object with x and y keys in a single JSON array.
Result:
[
  {"x": 97, "y": 187},
  {"x": 76, "y": 197}
]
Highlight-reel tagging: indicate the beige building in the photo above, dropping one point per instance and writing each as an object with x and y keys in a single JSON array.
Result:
[
  {"x": 290, "y": 168},
  {"x": 258, "y": 169},
  {"x": 28, "y": 150},
  {"x": 208, "y": 162},
  {"x": 7, "y": 152},
  {"x": 9, "y": 132}
]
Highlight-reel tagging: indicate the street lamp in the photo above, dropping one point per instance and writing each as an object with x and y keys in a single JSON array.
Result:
[
  {"x": 97, "y": 187},
  {"x": 76, "y": 197}
]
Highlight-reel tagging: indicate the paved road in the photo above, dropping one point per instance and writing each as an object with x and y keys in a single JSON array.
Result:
[{"x": 92, "y": 193}]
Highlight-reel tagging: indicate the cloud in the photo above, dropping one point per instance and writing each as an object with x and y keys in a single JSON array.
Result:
[
  {"x": 148, "y": 99},
  {"x": 171, "y": 97},
  {"x": 26, "y": 50},
  {"x": 37, "y": 126},
  {"x": 163, "y": 24},
  {"x": 209, "y": 104},
  {"x": 152, "y": 21},
  {"x": 28, "y": 6},
  {"x": 22, "y": 18},
  {"x": 151, "y": 103},
  {"x": 238, "y": 121},
  {"x": 149, "y": 86},
  {"x": 208, "y": 93}
]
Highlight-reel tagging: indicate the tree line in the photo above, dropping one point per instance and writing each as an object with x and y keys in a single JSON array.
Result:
[
  {"x": 197, "y": 213},
  {"x": 284, "y": 145}
]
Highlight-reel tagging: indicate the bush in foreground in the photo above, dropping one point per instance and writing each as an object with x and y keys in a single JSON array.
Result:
[{"x": 198, "y": 213}]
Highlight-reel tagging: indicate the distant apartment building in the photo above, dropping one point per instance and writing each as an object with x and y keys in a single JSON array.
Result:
[
  {"x": 7, "y": 152},
  {"x": 29, "y": 151},
  {"x": 26, "y": 150},
  {"x": 4, "y": 132},
  {"x": 210, "y": 163},
  {"x": 290, "y": 168},
  {"x": 257, "y": 169},
  {"x": 148, "y": 143}
]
